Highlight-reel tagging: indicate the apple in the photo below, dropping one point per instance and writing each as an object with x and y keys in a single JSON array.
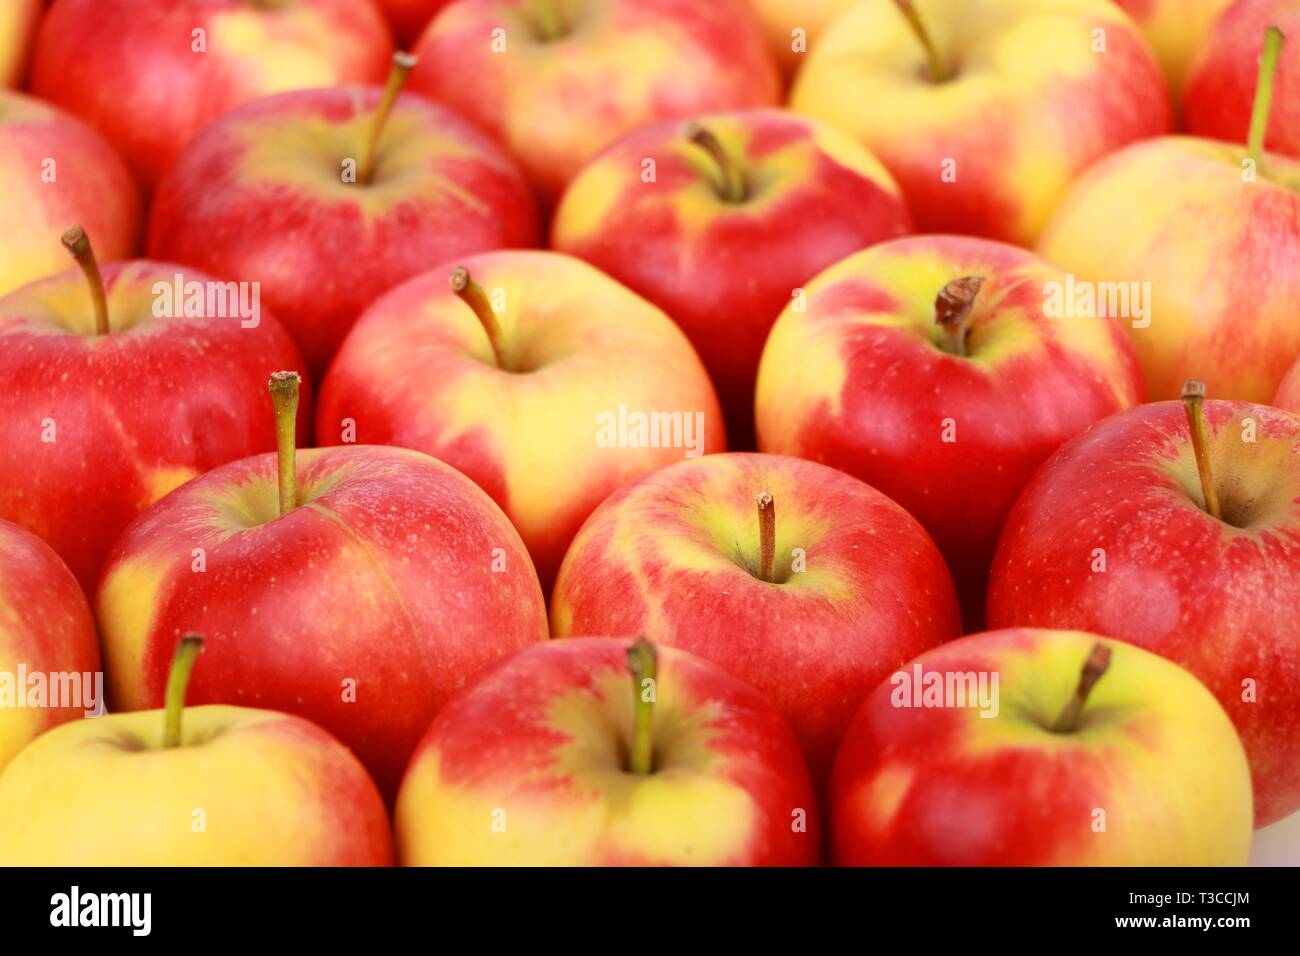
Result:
[
  {"x": 1288, "y": 392},
  {"x": 794, "y": 577},
  {"x": 591, "y": 752},
  {"x": 197, "y": 786},
  {"x": 149, "y": 74},
  {"x": 18, "y": 19},
  {"x": 557, "y": 81},
  {"x": 356, "y": 587},
  {"x": 1027, "y": 747},
  {"x": 744, "y": 207},
  {"x": 943, "y": 371},
  {"x": 1221, "y": 300},
  {"x": 58, "y": 171},
  {"x": 1176, "y": 30},
  {"x": 543, "y": 380},
  {"x": 331, "y": 197},
  {"x": 117, "y": 390},
  {"x": 49, "y": 653},
  {"x": 408, "y": 18},
  {"x": 1180, "y": 539},
  {"x": 984, "y": 112},
  {"x": 793, "y": 26}
]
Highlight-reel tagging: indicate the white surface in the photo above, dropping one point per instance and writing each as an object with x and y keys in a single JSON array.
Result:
[{"x": 1277, "y": 845}]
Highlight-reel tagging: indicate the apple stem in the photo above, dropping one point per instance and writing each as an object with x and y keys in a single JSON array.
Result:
[
  {"x": 938, "y": 72},
  {"x": 730, "y": 179},
  {"x": 474, "y": 295},
  {"x": 178, "y": 679},
  {"x": 642, "y": 662},
  {"x": 1194, "y": 404},
  {"x": 766, "y": 535},
  {"x": 1093, "y": 668},
  {"x": 953, "y": 307},
  {"x": 1273, "y": 38},
  {"x": 403, "y": 64},
  {"x": 284, "y": 398},
  {"x": 547, "y": 20},
  {"x": 77, "y": 242}
]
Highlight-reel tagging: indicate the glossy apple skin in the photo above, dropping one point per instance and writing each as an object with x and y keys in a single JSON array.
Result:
[
  {"x": 626, "y": 63},
  {"x": 725, "y": 270},
  {"x": 128, "y": 68},
  {"x": 382, "y": 576},
  {"x": 18, "y": 19},
  {"x": 728, "y": 787},
  {"x": 858, "y": 381},
  {"x": 91, "y": 187},
  {"x": 779, "y": 18},
  {"x": 1031, "y": 107},
  {"x": 1215, "y": 598},
  {"x": 259, "y": 195},
  {"x": 670, "y": 557},
  {"x": 45, "y": 626},
  {"x": 418, "y": 371},
  {"x": 275, "y": 790},
  {"x": 1288, "y": 393},
  {"x": 1220, "y": 88},
  {"x": 1235, "y": 283},
  {"x": 1176, "y": 31},
  {"x": 946, "y": 786},
  {"x": 134, "y": 413},
  {"x": 408, "y": 18}
]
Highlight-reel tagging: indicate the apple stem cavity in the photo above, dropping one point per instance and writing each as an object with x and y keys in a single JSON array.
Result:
[
  {"x": 766, "y": 536},
  {"x": 1273, "y": 38},
  {"x": 546, "y": 19},
  {"x": 729, "y": 178},
  {"x": 643, "y": 664},
  {"x": 403, "y": 64},
  {"x": 1093, "y": 669},
  {"x": 953, "y": 309},
  {"x": 473, "y": 295},
  {"x": 1194, "y": 404},
  {"x": 284, "y": 388},
  {"x": 77, "y": 242},
  {"x": 937, "y": 71},
  {"x": 178, "y": 679}
]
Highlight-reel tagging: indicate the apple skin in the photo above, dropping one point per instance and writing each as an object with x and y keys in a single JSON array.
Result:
[
  {"x": 946, "y": 786},
  {"x": 1176, "y": 31},
  {"x": 728, "y": 785},
  {"x": 45, "y": 625},
  {"x": 128, "y": 67},
  {"x": 1288, "y": 393},
  {"x": 670, "y": 557},
  {"x": 18, "y": 19},
  {"x": 858, "y": 381},
  {"x": 1235, "y": 283},
  {"x": 626, "y": 63},
  {"x": 1033, "y": 108},
  {"x": 725, "y": 270},
  {"x": 91, "y": 188},
  {"x": 418, "y": 371},
  {"x": 1217, "y": 598},
  {"x": 134, "y": 413},
  {"x": 408, "y": 18},
  {"x": 780, "y": 18},
  {"x": 259, "y": 195},
  {"x": 382, "y": 575},
  {"x": 275, "y": 790}
]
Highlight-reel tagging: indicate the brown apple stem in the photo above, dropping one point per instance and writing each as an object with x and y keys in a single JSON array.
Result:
[
  {"x": 938, "y": 72},
  {"x": 1273, "y": 38},
  {"x": 766, "y": 535},
  {"x": 77, "y": 242},
  {"x": 953, "y": 308},
  {"x": 178, "y": 679},
  {"x": 643, "y": 663},
  {"x": 403, "y": 64},
  {"x": 284, "y": 398},
  {"x": 729, "y": 179},
  {"x": 474, "y": 295},
  {"x": 1194, "y": 404},
  {"x": 1093, "y": 668}
]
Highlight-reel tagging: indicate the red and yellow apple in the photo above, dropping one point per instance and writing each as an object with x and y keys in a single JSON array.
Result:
[
  {"x": 1288, "y": 392},
  {"x": 792, "y": 26},
  {"x": 18, "y": 20},
  {"x": 1176, "y": 31}
]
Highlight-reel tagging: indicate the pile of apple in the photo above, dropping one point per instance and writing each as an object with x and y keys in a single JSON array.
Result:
[{"x": 433, "y": 551}]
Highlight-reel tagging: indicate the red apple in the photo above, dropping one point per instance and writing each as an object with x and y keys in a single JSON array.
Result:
[
  {"x": 1040, "y": 748},
  {"x": 1117, "y": 535},
  {"x": 114, "y": 395},
  {"x": 943, "y": 371},
  {"x": 149, "y": 74},
  {"x": 557, "y": 81},
  {"x": 550, "y": 385},
  {"x": 743, "y": 208},
  {"x": 1288, "y": 393},
  {"x": 1176, "y": 30},
  {"x": 18, "y": 20},
  {"x": 794, "y": 577},
  {"x": 984, "y": 112},
  {"x": 561, "y": 757},
  {"x": 264, "y": 194},
  {"x": 408, "y": 18},
  {"x": 357, "y": 589}
]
